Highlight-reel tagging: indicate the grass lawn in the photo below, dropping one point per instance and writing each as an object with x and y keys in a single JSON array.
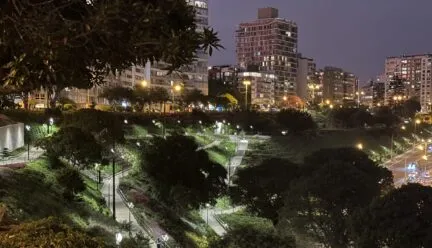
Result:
[
  {"x": 33, "y": 193},
  {"x": 296, "y": 148},
  {"x": 243, "y": 219}
]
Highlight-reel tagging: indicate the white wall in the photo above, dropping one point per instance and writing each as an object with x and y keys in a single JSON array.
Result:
[{"x": 12, "y": 136}]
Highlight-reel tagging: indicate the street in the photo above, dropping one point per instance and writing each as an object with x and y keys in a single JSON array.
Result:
[{"x": 399, "y": 168}]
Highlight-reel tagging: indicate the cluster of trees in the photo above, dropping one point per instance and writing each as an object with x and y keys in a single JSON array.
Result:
[
  {"x": 339, "y": 198},
  {"x": 179, "y": 174},
  {"x": 361, "y": 117},
  {"x": 76, "y": 43},
  {"x": 140, "y": 97}
]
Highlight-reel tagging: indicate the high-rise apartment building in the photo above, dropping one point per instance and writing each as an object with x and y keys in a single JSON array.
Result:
[
  {"x": 338, "y": 86},
  {"x": 193, "y": 76},
  {"x": 260, "y": 92},
  {"x": 269, "y": 45},
  {"x": 306, "y": 68},
  {"x": 415, "y": 73},
  {"x": 222, "y": 79}
]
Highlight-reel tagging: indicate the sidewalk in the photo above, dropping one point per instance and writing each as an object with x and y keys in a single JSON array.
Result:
[
  {"x": 123, "y": 213},
  {"x": 208, "y": 214},
  {"x": 23, "y": 157}
]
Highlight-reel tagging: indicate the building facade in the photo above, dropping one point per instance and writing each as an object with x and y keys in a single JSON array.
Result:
[
  {"x": 269, "y": 45},
  {"x": 306, "y": 87},
  {"x": 415, "y": 73},
  {"x": 222, "y": 79},
  {"x": 339, "y": 86},
  {"x": 261, "y": 90},
  {"x": 193, "y": 76}
]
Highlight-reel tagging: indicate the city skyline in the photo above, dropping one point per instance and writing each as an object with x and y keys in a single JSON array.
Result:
[{"x": 363, "y": 33}]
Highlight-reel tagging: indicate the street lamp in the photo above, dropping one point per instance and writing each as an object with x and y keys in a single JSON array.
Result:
[
  {"x": 144, "y": 83},
  {"x": 176, "y": 88},
  {"x": 246, "y": 83},
  {"x": 360, "y": 146},
  {"x": 131, "y": 206},
  {"x": 416, "y": 122},
  {"x": 119, "y": 238},
  {"x": 50, "y": 123},
  {"x": 207, "y": 207},
  {"x": 27, "y": 127},
  {"x": 113, "y": 180}
]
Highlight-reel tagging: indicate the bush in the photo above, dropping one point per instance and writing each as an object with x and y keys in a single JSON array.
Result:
[
  {"x": 295, "y": 121},
  {"x": 71, "y": 181}
]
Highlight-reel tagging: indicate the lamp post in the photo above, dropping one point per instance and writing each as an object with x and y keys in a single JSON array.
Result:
[
  {"x": 144, "y": 83},
  {"x": 360, "y": 146},
  {"x": 119, "y": 238},
  {"x": 246, "y": 83},
  {"x": 207, "y": 207},
  {"x": 27, "y": 127},
  {"x": 97, "y": 168},
  {"x": 113, "y": 180},
  {"x": 50, "y": 123},
  {"x": 131, "y": 206},
  {"x": 359, "y": 93},
  {"x": 175, "y": 88},
  {"x": 416, "y": 122}
]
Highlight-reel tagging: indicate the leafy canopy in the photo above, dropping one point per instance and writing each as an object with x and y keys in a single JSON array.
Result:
[
  {"x": 295, "y": 121},
  {"x": 252, "y": 238},
  {"x": 75, "y": 43},
  {"x": 261, "y": 188},
  {"x": 181, "y": 175},
  {"x": 334, "y": 184},
  {"x": 401, "y": 218},
  {"x": 74, "y": 144}
]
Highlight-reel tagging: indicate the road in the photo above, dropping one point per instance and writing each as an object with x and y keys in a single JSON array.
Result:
[{"x": 398, "y": 165}]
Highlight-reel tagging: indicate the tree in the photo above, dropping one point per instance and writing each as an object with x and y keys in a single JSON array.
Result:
[
  {"x": 384, "y": 115},
  {"x": 295, "y": 121},
  {"x": 195, "y": 97},
  {"x": 411, "y": 107},
  {"x": 351, "y": 117},
  {"x": 71, "y": 181},
  {"x": 334, "y": 184},
  {"x": 118, "y": 95},
  {"x": 252, "y": 238},
  {"x": 76, "y": 43},
  {"x": 182, "y": 176},
  {"x": 261, "y": 188},
  {"x": 74, "y": 144},
  {"x": 48, "y": 232},
  {"x": 401, "y": 218},
  {"x": 105, "y": 126},
  {"x": 139, "y": 241}
]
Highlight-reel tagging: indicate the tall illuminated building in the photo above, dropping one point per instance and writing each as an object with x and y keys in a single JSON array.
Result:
[{"x": 269, "y": 44}]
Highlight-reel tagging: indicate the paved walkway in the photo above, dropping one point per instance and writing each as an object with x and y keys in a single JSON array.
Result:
[
  {"x": 123, "y": 213},
  {"x": 23, "y": 157},
  {"x": 209, "y": 214}
]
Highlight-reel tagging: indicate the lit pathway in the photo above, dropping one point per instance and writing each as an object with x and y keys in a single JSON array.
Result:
[
  {"x": 122, "y": 210},
  {"x": 23, "y": 157},
  {"x": 208, "y": 214}
]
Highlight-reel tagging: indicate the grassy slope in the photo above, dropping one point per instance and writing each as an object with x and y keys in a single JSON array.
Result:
[
  {"x": 296, "y": 148},
  {"x": 33, "y": 193}
]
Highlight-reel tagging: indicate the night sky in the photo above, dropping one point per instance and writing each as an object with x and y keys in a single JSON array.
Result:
[{"x": 356, "y": 35}]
